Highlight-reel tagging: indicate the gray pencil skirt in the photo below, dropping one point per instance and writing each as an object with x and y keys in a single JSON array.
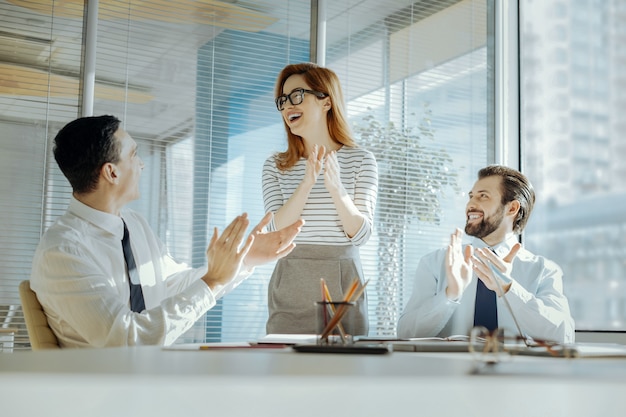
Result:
[{"x": 295, "y": 287}]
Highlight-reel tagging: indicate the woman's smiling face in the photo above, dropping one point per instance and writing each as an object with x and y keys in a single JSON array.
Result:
[{"x": 307, "y": 116}]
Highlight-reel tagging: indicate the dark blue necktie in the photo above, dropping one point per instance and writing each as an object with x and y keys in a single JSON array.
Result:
[
  {"x": 136, "y": 294},
  {"x": 485, "y": 309}
]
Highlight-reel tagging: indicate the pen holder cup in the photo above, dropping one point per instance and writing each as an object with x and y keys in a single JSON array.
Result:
[{"x": 334, "y": 322}]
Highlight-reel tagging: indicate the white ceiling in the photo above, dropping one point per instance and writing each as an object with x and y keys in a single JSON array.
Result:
[{"x": 161, "y": 85}]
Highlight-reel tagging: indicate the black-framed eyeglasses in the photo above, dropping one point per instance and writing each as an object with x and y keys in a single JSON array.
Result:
[{"x": 296, "y": 97}]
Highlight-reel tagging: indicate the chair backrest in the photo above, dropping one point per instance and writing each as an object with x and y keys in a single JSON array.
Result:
[{"x": 39, "y": 332}]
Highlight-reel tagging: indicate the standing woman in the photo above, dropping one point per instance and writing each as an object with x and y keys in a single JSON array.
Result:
[{"x": 326, "y": 179}]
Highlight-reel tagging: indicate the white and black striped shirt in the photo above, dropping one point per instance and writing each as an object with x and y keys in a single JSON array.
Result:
[{"x": 359, "y": 176}]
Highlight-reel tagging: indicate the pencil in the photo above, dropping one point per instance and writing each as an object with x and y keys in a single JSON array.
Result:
[
  {"x": 351, "y": 296},
  {"x": 360, "y": 292},
  {"x": 324, "y": 300},
  {"x": 341, "y": 311},
  {"x": 327, "y": 298},
  {"x": 352, "y": 289}
]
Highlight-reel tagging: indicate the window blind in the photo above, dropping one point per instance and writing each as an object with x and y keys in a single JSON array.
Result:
[
  {"x": 39, "y": 68},
  {"x": 416, "y": 78},
  {"x": 205, "y": 83},
  {"x": 193, "y": 84}
]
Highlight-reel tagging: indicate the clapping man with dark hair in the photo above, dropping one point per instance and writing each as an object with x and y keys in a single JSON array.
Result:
[{"x": 103, "y": 277}]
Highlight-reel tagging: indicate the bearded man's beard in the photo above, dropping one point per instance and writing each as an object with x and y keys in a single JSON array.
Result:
[{"x": 487, "y": 225}]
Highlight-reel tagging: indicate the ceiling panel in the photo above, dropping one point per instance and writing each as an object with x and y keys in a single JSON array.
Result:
[{"x": 159, "y": 61}]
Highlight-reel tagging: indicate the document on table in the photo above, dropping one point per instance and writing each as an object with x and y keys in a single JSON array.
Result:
[
  {"x": 226, "y": 346},
  {"x": 576, "y": 350},
  {"x": 269, "y": 341},
  {"x": 287, "y": 339}
]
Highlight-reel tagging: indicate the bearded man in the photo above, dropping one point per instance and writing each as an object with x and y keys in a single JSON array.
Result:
[{"x": 455, "y": 288}]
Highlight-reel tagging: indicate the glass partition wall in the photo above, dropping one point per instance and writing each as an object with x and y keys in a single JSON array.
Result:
[{"x": 193, "y": 84}]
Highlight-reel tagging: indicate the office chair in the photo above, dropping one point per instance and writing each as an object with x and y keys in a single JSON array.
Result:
[{"x": 39, "y": 332}]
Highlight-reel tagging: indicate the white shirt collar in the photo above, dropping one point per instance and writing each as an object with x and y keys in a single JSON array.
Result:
[
  {"x": 501, "y": 249},
  {"x": 106, "y": 221}
]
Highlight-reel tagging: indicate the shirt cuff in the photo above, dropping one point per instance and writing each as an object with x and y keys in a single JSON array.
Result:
[
  {"x": 452, "y": 301},
  {"x": 200, "y": 295},
  {"x": 241, "y": 277}
]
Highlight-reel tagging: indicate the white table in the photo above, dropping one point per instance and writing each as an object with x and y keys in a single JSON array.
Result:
[{"x": 150, "y": 381}]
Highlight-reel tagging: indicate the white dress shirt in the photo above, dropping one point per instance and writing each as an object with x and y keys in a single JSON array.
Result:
[
  {"x": 536, "y": 298},
  {"x": 80, "y": 279}
]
